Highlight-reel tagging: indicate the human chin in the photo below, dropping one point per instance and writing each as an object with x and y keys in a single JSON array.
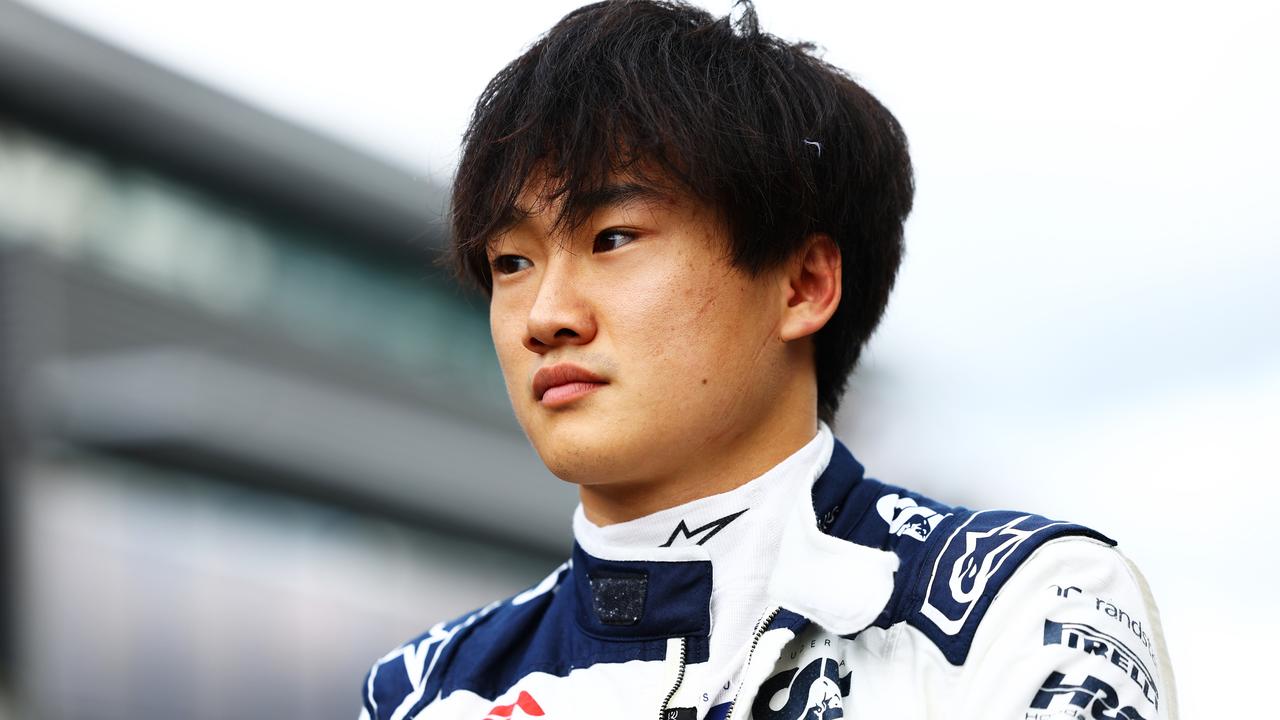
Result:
[{"x": 578, "y": 447}]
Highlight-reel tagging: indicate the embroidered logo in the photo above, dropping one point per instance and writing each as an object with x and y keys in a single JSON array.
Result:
[
  {"x": 907, "y": 518},
  {"x": 1065, "y": 592},
  {"x": 524, "y": 703},
  {"x": 684, "y": 536},
  {"x": 1090, "y": 695},
  {"x": 1093, "y": 642},
  {"x": 814, "y": 693},
  {"x": 970, "y": 560}
]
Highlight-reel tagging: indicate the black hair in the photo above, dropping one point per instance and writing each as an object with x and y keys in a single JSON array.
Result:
[{"x": 779, "y": 142}]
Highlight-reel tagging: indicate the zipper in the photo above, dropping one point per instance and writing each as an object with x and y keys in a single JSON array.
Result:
[
  {"x": 755, "y": 640},
  {"x": 662, "y": 712}
]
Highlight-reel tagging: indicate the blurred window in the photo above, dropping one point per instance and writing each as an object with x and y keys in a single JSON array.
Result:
[{"x": 321, "y": 289}]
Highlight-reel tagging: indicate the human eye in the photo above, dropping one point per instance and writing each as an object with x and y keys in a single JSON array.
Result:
[
  {"x": 611, "y": 239},
  {"x": 508, "y": 264}
]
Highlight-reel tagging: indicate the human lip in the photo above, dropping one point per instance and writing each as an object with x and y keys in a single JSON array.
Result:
[{"x": 562, "y": 383}]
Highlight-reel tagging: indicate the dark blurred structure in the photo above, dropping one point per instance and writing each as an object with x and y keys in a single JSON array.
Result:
[{"x": 251, "y": 437}]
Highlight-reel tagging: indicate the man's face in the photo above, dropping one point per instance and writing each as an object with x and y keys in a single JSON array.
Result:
[{"x": 631, "y": 347}]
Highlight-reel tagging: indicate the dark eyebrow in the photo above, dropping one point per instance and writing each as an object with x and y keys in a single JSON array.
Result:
[
  {"x": 591, "y": 201},
  {"x": 583, "y": 205}
]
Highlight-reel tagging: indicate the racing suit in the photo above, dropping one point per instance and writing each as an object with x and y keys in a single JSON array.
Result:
[{"x": 810, "y": 592}]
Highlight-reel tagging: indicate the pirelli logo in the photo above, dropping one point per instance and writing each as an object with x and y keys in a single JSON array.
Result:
[{"x": 1088, "y": 639}]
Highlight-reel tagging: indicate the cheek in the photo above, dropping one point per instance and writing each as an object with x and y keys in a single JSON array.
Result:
[
  {"x": 737, "y": 353},
  {"x": 694, "y": 327},
  {"x": 664, "y": 314},
  {"x": 507, "y": 327}
]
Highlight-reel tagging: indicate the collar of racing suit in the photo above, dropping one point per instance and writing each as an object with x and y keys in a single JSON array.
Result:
[{"x": 629, "y": 584}]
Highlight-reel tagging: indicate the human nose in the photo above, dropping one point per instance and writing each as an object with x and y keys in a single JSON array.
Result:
[{"x": 561, "y": 314}]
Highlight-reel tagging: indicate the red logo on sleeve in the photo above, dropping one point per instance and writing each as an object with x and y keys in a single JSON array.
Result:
[{"x": 524, "y": 702}]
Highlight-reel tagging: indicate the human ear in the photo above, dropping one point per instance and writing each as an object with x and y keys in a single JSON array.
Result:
[{"x": 812, "y": 289}]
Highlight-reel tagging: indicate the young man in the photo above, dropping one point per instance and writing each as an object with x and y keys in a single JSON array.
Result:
[{"x": 688, "y": 230}]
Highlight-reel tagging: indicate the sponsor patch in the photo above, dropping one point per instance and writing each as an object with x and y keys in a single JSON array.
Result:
[
  {"x": 907, "y": 518},
  {"x": 524, "y": 706},
  {"x": 1094, "y": 698},
  {"x": 1118, "y": 614},
  {"x": 815, "y": 692},
  {"x": 972, "y": 558},
  {"x": 1091, "y": 641},
  {"x": 618, "y": 597},
  {"x": 1065, "y": 592},
  {"x": 1112, "y": 611},
  {"x": 682, "y": 536}
]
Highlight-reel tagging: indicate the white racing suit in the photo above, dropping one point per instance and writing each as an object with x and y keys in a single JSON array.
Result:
[{"x": 876, "y": 603}]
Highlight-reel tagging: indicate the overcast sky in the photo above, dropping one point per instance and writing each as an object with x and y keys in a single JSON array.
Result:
[{"x": 1087, "y": 322}]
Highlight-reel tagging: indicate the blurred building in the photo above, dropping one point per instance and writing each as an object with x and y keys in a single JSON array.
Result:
[{"x": 251, "y": 436}]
